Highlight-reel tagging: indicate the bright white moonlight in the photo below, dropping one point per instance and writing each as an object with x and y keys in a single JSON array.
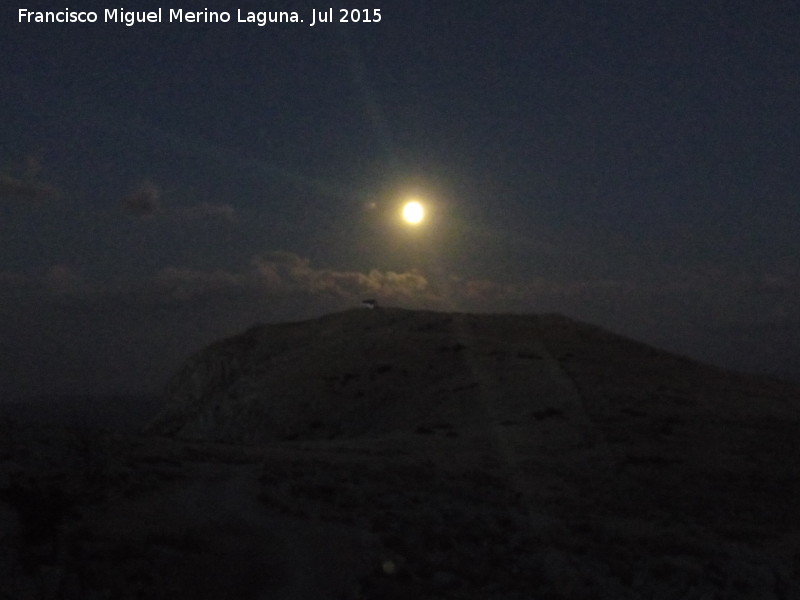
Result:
[{"x": 413, "y": 212}]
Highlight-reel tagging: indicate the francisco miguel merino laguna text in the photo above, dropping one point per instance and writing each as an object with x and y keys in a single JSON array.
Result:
[{"x": 260, "y": 18}]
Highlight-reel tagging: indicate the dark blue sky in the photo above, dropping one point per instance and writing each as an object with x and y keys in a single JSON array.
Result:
[{"x": 630, "y": 164}]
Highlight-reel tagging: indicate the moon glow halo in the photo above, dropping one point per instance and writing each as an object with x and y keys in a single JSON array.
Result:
[{"x": 413, "y": 212}]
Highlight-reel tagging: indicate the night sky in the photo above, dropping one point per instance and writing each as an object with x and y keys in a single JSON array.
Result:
[{"x": 631, "y": 164}]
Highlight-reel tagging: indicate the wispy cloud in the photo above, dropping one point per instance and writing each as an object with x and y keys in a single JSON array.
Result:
[
  {"x": 699, "y": 296},
  {"x": 285, "y": 272},
  {"x": 144, "y": 201},
  {"x": 207, "y": 210},
  {"x": 180, "y": 284},
  {"x": 25, "y": 189}
]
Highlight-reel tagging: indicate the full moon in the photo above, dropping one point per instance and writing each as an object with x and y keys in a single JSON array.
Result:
[{"x": 413, "y": 212}]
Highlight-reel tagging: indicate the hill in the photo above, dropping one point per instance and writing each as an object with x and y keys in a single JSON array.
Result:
[
  {"x": 374, "y": 372},
  {"x": 388, "y": 454}
]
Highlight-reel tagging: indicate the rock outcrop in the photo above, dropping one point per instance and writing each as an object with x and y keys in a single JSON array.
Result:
[{"x": 375, "y": 372}]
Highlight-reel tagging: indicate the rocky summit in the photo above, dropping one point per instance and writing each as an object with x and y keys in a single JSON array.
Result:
[
  {"x": 388, "y": 454},
  {"x": 374, "y": 372}
]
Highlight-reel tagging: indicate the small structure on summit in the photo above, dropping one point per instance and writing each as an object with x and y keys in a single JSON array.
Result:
[{"x": 370, "y": 303}]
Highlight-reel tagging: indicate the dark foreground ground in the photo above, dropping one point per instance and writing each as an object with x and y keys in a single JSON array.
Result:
[{"x": 433, "y": 513}]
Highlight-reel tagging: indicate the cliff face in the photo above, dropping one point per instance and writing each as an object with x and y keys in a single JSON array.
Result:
[{"x": 371, "y": 372}]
